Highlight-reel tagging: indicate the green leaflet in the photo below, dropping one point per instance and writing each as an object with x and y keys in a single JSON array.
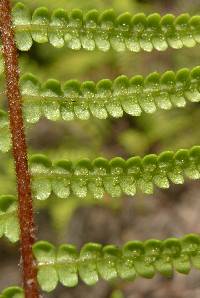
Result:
[
  {"x": 47, "y": 274},
  {"x": 1, "y": 62},
  {"x": 104, "y": 30},
  {"x": 5, "y": 136},
  {"x": 115, "y": 177},
  {"x": 134, "y": 259},
  {"x": 12, "y": 292},
  {"x": 41, "y": 187},
  {"x": 21, "y": 17},
  {"x": 9, "y": 226}
]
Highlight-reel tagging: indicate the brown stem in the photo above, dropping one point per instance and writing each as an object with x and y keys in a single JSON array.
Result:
[{"x": 25, "y": 209}]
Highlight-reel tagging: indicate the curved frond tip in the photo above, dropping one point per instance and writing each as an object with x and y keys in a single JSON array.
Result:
[
  {"x": 104, "y": 30},
  {"x": 12, "y": 292},
  {"x": 136, "y": 258},
  {"x": 115, "y": 177}
]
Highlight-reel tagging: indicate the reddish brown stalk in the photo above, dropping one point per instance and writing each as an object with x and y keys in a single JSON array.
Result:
[{"x": 25, "y": 210}]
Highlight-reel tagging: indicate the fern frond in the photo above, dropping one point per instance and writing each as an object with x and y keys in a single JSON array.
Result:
[
  {"x": 109, "y": 98},
  {"x": 134, "y": 259},
  {"x": 104, "y": 30},
  {"x": 115, "y": 177},
  {"x": 100, "y": 176},
  {"x": 12, "y": 292},
  {"x": 9, "y": 226},
  {"x": 105, "y": 98}
]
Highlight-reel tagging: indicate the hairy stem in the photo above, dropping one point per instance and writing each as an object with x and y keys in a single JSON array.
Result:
[{"x": 25, "y": 211}]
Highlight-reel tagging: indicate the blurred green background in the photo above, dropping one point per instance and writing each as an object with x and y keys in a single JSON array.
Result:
[{"x": 168, "y": 213}]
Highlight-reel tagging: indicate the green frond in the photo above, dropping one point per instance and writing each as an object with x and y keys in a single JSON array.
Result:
[
  {"x": 135, "y": 259},
  {"x": 9, "y": 226},
  {"x": 99, "y": 177},
  {"x": 104, "y": 30},
  {"x": 12, "y": 292},
  {"x": 114, "y": 177},
  {"x": 109, "y": 98},
  {"x": 75, "y": 100}
]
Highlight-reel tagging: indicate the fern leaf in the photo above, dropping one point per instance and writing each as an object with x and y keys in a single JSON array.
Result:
[
  {"x": 98, "y": 177},
  {"x": 12, "y": 292},
  {"x": 9, "y": 226},
  {"x": 104, "y": 30},
  {"x": 115, "y": 177},
  {"x": 134, "y": 259},
  {"x": 106, "y": 98}
]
